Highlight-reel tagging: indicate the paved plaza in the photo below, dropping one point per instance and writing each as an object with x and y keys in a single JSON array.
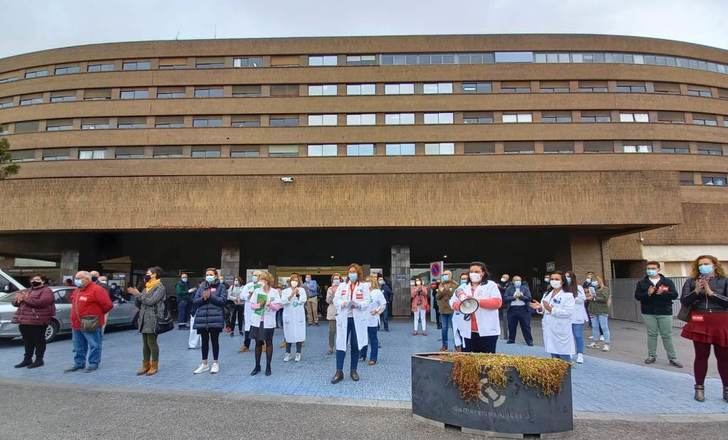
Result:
[{"x": 602, "y": 386}]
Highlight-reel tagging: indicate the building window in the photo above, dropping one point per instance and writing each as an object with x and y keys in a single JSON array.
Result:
[
  {"x": 169, "y": 122},
  {"x": 477, "y": 118},
  {"x": 598, "y": 147},
  {"x": 67, "y": 96},
  {"x": 9, "y": 79},
  {"x": 479, "y": 148},
  {"x": 6, "y": 102},
  {"x": 477, "y": 87},
  {"x": 284, "y": 121},
  {"x": 518, "y": 148},
  {"x": 101, "y": 67},
  {"x": 687, "y": 178},
  {"x": 246, "y": 91},
  {"x": 634, "y": 117},
  {"x": 283, "y": 151},
  {"x": 318, "y": 120},
  {"x": 511, "y": 118},
  {"x": 631, "y": 87},
  {"x": 134, "y": 94},
  {"x": 30, "y": 100},
  {"x": 558, "y": 147},
  {"x": 171, "y": 92},
  {"x": 714, "y": 179},
  {"x": 438, "y": 118},
  {"x": 59, "y": 125},
  {"x": 515, "y": 87},
  {"x": 667, "y": 88},
  {"x": 244, "y": 121},
  {"x": 324, "y": 150},
  {"x": 399, "y": 118},
  {"x": 593, "y": 86},
  {"x": 208, "y": 92},
  {"x": 167, "y": 152},
  {"x": 95, "y": 124},
  {"x": 361, "y": 60},
  {"x": 360, "y": 89},
  {"x": 552, "y": 58},
  {"x": 400, "y": 149},
  {"x": 207, "y": 122},
  {"x": 361, "y": 119},
  {"x": 238, "y": 152},
  {"x": 248, "y": 62},
  {"x": 702, "y": 92},
  {"x": 129, "y": 152},
  {"x": 284, "y": 90},
  {"x": 205, "y": 152},
  {"x": 638, "y": 148},
  {"x": 674, "y": 148},
  {"x": 210, "y": 63},
  {"x": 172, "y": 63},
  {"x": 360, "y": 150},
  {"x": 710, "y": 120},
  {"x": 442, "y": 149},
  {"x": 22, "y": 156},
  {"x": 710, "y": 150},
  {"x": 96, "y": 94},
  {"x": 4, "y": 129},
  {"x": 596, "y": 117},
  {"x": 132, "y": 123},
  {"x": 26, "y": 127},
  {"x": 399, "y": 89},
  {"x": 671, "y": 117},
  {"x": 66, "y": 70},
  {"x": 92, "y": 154},
  {"x": 555, "y": 117},
  {"x": 322, "y": 60},
  {"x": 136, "y": 65},
  {"x": 322, "y": 90},
  {"x": 437, "y": 88},
  {"x": 554, "y": 86},
  {"x": 514, "y": 57},
  {"x": 36, "y": 74},
  {"x": 57, "y": 154}
]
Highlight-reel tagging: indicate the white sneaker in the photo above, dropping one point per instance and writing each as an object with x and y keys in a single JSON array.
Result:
[
  {"x": 592, "y": 345},
  {"x": 579, "y": 358},
  {"x": 215, "y": 368},
  {"x": 298, "y": 357},
  {"x": 203, "y": 368},
  {"x": 601, "y": 338},
  {"x": 287, "y": 357},
  {"x": 606, "y": 347},
  {"x": 591, "y": 338}
]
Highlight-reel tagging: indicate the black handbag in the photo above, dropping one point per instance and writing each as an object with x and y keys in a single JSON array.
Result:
[
  {"x": 684, "y": 313},
  {"x": 165, "y": 323}
]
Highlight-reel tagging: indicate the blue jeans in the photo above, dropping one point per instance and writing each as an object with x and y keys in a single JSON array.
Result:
[
  {"x": 184, "y": 307},
  {"x": 578, "y": 330},
  {"x": 373, "y": 342},
  {"x": 446, "y": 324},
  {"x": 87, "y": 342},
  {"x": 385, "y": 317},
  {"x": 600, "y": 326},
  {"x": 341, "y": 354}
]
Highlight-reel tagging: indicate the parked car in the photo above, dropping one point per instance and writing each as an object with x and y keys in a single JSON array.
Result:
[
  {"x": 124, "y": 314},
  {"x": 8, "y": 284}
]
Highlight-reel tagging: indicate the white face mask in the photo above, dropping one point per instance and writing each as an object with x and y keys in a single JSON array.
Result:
[
  {"x": 336, "y": 281},
  {"x": 294, "y": 283},
  {"x": 504, "y": 279},
  {"x": 475, "y": 277},
  {"x": 556, "y": 284}
]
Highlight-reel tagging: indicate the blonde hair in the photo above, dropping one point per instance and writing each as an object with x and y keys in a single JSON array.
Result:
[
  {"x": 373, "y": 280},
  {"x": 717, "y": 267},
  {"x": 335, "y": 276},
  {"x": 296, "y": 277},
  {"x": 265, "y": 275}
]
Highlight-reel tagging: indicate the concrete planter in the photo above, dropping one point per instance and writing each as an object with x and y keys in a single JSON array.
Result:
[{"x": 518, "y": 410}]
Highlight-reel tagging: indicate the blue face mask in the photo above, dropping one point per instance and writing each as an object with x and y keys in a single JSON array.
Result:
[
  {"x": 517, "y": 283},
  {"x": 255, "y": 278},
  {"x": 77, "y": 282},
  {"x": 210, "y": 279},
  {"x": 446, "y": 277},
  {"x": 651, "y": 272},
  {"x": 353, "y": 277},
  {"x": 705, "y": 269},
  {"x": 463, "y": 282}
]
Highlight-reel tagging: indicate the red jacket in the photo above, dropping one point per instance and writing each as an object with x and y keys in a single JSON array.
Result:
[
  {"x": 422, "y": 300},
  {"x": 90, "y": 300},
  {"x": 37, "y": 309}
]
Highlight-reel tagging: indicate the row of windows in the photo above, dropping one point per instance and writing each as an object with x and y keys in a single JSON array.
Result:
[
  {"x": 364, "y": 119},
  {"x": 439, "y": 88},
  {"x": 370, "y": 149},
  {"x": 373, "y": 59}
]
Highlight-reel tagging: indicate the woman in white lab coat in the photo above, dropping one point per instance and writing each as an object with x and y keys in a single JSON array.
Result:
[
  {"x": 294, "y": 316},
  {"x": 265, "y": 302},
  {"x": 557, "y": 308},
  {"x": 248, "y": 290},
  {"x": 480, "y": 329},
  {"x": 352, "y": 314},
  {"x": 376, "y": 308},
  {"x": 457, "y": 318}
]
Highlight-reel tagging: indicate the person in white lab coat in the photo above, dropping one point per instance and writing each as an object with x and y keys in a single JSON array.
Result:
[
  {"x": 480, "y": 329},
  {"x": 457, "y": 318},
  {"x": 557, "y": 308},
  {"x": 294, "y": 316},
  {"x": 352, "y": 314},
  {"x": 265, "y": 302},
  {"x": 376, "y": 308},
  {"x": 580, "y": 316},
  {"x": 248, "y": 290}
]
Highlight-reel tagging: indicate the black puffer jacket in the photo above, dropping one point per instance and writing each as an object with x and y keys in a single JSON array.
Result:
[
  {"x": 717, "y": 302},
  {"x": 209, "y": 313}
]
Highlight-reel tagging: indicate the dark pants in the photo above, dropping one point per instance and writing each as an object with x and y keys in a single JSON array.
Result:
[
  {"x": 446, "y": 324},
  {"x": 519, "y": 315},
  {"x": 437, "y": 310},
  {"x": 279, "y": 319},
  {"x": 385, "y": 317},
  {"x": 211, "y": 335},
  {"x": 700, "y": 366},
  {"x": 237, "y": 316},
  {"x": 263, "y": 336},
  {"x": 184, "y": 311},
  {"x": 480, "y": 344},
  {"x": 246, "y": 341},
  {"x": 373, "y": 343},
  {"x": 341, "y": 354},
  {"x": 34, "y": 340}
]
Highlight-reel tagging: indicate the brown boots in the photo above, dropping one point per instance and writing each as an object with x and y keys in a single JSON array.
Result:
[{"x": 149, "y": 368}]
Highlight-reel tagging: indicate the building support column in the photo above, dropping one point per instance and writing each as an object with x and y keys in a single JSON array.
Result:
[
  {"x": 230, "y": 263},
  {"x": 400, "y": 273},
  {"x": 590, "y": 253},
  {"x": 69, "y": 263}
]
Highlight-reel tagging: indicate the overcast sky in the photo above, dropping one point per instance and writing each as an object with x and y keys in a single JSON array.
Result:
[{"x": 30, "y": 25}]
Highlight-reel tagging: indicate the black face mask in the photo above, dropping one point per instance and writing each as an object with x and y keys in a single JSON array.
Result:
[
  {"x": 147, "y": 278},
  {"x": 94, "y": 279},
  {"x": 36, "y": 283}
]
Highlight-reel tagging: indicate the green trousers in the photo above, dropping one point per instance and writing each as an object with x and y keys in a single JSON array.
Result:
[
  {"x": 659, "y": 325},
  {"x": 151, "y": 348}
]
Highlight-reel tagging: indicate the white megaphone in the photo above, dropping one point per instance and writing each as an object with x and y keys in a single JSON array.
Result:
[{"x": 469, "y": 306}]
